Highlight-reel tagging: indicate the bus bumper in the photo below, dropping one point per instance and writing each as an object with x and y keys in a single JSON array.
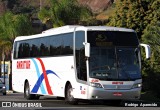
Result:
[{"x": 100, "y": 93}]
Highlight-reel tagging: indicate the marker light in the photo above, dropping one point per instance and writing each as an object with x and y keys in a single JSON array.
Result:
[
  {"x": 138, "y": 85},
  {"x": 98, "y": 85}
]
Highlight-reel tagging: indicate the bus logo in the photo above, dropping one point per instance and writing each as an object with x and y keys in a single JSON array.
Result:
[
  {"x": 117, "y": 82},
  {"x": 101, "y": 38},
  {"x": 23, "y": 64}
]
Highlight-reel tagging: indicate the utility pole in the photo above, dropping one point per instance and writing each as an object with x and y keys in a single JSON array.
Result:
[
  {"x": 3, "y": 57},
  {"x": 0, "y": 68},
  {"x": 40, "y": 4}
]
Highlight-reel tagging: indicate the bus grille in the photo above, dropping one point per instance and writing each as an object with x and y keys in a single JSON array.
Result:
[{"x": 119, "y": 87}]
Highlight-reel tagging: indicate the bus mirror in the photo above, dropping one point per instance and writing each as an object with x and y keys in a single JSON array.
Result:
[
  {"x": 87, "y": 49},
  {"x": 147, "y": 50}
]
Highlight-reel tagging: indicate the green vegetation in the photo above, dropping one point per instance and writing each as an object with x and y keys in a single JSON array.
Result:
[
  {"x": 12, "y": 26},
  {"x": 149, "y": 96},
  {"x": 64, "y": 12},
  {"x": 129, "y": 14},
  {"x": 141, "y": 15},
  {"x": 151, "y": 69},
  {"x": 144, "y": 17}
]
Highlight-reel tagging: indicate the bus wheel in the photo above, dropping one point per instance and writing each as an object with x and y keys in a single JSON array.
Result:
[
  {"x": 27, "y": 94},
  {"x": 60, "y": 98},
  {"x": 36, "y": 97},
  {"x": 69, "y": 96},
  {"x": 4, "y": 93}
]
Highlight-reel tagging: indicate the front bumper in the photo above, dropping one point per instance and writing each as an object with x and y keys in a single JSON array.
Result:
[{"x": 101, "y": 93}]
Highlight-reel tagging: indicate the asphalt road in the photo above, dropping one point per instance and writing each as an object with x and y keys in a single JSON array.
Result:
[{"x": 16, "y": 101}]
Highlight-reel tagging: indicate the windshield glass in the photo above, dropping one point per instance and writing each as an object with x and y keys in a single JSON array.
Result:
[
  {"x": 113, "y": 60},
  {"x": 128, "y": 64}
]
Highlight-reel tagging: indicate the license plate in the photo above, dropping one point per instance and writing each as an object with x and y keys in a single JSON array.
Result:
[{"x": 117, "y": 94}]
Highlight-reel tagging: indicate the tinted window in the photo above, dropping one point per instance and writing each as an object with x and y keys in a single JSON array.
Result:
[
  {"x": 23, "y": 49},
  {"x": 34, "y": 47},
  {"x": 112, "y": 38},
  {"x": 67, "y": 44},
  {"x": 45, "y": 46},
  {"x": 80, "y": 56},
  {"x": 61, "y": 44}
]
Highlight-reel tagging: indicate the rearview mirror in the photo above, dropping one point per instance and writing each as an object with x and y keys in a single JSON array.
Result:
[
  {"x": 147, "y": 50},
  {"x": 87, "y": 49}
]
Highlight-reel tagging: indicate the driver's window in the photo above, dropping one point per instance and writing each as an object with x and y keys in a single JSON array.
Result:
[{"x": 80, "y": 56}]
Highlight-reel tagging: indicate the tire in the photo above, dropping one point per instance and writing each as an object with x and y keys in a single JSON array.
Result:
[
  {"x": 4, "y": 93},
  {"x": 117, "y": 102},
  {"x": 60, "y": 98},
  {"x": 114, "y": 102},
  {"x": 27, "y": 93},
  {"x": 69, "y": 97},
  {"x": 36, "y": 97}
]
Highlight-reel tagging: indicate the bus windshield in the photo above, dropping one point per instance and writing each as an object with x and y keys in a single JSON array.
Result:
[{"x": 111, "y": 59}]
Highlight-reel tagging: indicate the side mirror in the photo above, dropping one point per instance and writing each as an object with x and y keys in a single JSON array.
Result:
[
  {"x": 147, "y": 50},
  {"x": 87, "y": 49}
]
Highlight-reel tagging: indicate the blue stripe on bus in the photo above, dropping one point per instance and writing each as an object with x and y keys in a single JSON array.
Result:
[
  {"x": 40, "y": 79},
  {"x": 38, "y": 75}
]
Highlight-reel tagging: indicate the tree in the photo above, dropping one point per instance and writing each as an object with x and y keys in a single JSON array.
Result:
[
  {"x": 151, "y": 70},
  {"x": 144, "y": 17},
  {"x": 19, "y": 6},
  {"x": 12, "y": 26},
  {"x": 64, "y": 12},
  {"x": 151, "y": 36},
  {"x": 152, "y": 11},
  {"x": 129, "y": 14},
  {"x": 152, "y": 32}
]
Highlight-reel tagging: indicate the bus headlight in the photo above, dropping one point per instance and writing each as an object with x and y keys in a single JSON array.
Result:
[
  {"x": 3, "y": 87},
  {"x": 138, "y": 85},
  {"x": 98, "y": 85}
]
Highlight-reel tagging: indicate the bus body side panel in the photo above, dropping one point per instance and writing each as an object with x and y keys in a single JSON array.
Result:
[
  {"x": 20, "y": 73},
  {"x": 46, "y": 76},
  {"x": 80, "y": 90},
  {"x": 59, "y": 70}
]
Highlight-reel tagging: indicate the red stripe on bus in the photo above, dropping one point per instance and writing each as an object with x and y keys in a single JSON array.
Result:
[{"x": 45, "y": 77}]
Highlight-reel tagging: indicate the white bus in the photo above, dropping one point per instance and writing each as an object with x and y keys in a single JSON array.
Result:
[{"x": 79, "y": 62}]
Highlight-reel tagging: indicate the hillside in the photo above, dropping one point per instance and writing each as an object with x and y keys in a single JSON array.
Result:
[
  {"x": 31, "y": 6},
  {"x": 97, "y": 6}
]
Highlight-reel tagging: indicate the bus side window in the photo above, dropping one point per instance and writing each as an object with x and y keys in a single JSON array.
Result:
[
  {"x": 15, "y": 52},
  {"x": 80, "y": 56}
]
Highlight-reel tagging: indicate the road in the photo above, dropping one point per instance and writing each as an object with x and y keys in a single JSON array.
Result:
[{"x": 45, "y": 102}]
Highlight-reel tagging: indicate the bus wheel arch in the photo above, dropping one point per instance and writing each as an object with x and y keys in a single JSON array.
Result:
[
  {"x": 68, "y": 95},
  {"x": 27, "y": 93}
]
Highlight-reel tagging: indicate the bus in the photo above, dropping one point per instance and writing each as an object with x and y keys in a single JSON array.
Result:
[{"x": 79, "y": 62}]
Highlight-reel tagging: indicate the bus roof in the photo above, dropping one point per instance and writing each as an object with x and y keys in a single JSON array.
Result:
[{"x": 71, "y": 28}]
